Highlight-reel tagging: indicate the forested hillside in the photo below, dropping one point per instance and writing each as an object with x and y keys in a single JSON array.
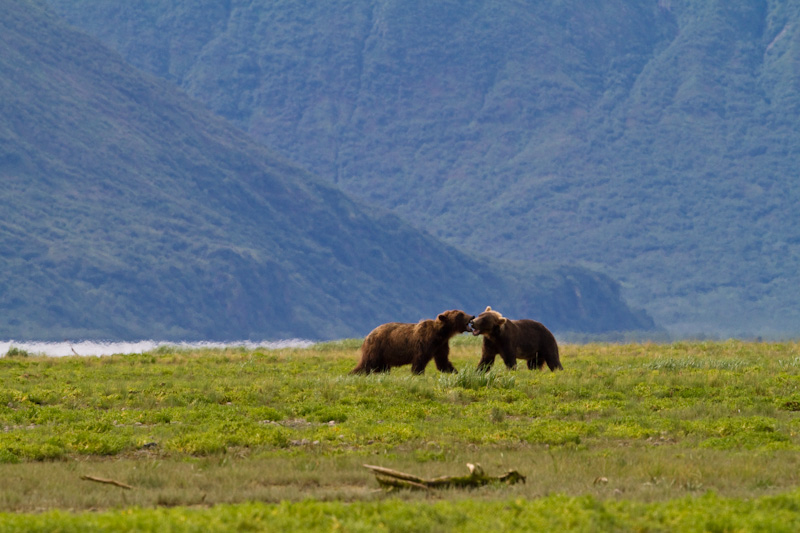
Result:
[
  {"x": 655, "y": 141},
  {"x": 130, "y": 211}
]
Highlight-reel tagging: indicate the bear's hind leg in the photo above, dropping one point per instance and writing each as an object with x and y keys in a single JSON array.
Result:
[
  {"x": 553, "y": 361},
  {"x": 553, "y": 366},
  {"x": 536, "y": 362},
  {"x": 420, "y": 362},
  {"x": 549, "y": 353},
  {"x": 358, "y": 370},
  {"x": 377, "y": 365}
]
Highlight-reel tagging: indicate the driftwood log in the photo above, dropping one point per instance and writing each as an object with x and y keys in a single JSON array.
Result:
[
  {"x": 393, "y": 479},
  {"x": 107, "y": 482}
]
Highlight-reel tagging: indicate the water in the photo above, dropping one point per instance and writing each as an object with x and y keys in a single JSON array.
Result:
[{"x": 94, "y": 348}]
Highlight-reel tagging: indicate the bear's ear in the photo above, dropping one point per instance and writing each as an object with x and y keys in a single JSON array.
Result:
[
  {"x": 488, "y": 308},
  {"x": 441, "y": 318},
  {"x": 502, "y": 321}
]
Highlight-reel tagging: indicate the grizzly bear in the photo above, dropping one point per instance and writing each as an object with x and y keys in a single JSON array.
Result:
[
  {"x": 397, "y": 344},
  {"x": 515, "y": 339}
]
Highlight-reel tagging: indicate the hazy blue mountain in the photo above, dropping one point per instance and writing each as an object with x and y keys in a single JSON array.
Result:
[
  {"x": 130, "y": 211},
  {"x": 655, "y": 141}
]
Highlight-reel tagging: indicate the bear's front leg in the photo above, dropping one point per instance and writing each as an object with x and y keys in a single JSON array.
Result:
[
  {"x": 442, "y": 360},
  {"x": 488, "y": 354}
]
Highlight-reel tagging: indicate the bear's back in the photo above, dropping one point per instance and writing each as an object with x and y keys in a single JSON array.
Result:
[{"x": 531, "y": 333}]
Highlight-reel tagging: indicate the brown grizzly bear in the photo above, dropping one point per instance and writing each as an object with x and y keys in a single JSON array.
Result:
[
  {"x": 397, "y": 344},
  {"x": 515, "y": 339}
]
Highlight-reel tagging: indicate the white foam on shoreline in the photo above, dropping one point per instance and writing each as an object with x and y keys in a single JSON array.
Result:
[{"x": 96, "y": 348}]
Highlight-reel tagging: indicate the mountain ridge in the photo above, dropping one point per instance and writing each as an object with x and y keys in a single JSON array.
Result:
[
  {"x": 654, "y": 142},
  {"x": 131, "y": 212}
]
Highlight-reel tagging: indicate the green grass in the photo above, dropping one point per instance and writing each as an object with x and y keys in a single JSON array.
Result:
[
  {"x": 551, "y": 513},
  {"x": 626, "y": 436}
]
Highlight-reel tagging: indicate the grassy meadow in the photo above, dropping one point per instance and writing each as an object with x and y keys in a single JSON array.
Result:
[{"x": 694, "y": 436}]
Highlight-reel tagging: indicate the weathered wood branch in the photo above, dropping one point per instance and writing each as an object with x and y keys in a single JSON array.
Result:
[
  {"x": 107, "y": 481},
  {"x": 393, "y": 479}
]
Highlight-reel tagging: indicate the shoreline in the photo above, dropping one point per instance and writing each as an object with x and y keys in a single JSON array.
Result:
[{"x": 100, "y": 348}]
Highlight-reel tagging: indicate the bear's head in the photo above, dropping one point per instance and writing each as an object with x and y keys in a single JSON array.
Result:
[
  {"x": 455, "y": 320},
  {"x": 488, "y": 323}
]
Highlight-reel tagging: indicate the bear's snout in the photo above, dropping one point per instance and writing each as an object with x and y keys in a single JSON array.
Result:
[{"x": 473, "y": 328}]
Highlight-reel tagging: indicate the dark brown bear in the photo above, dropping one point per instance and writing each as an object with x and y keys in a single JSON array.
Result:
[
  {"x": 397, "y": 344},
  {"x": 515, "y": 339}
]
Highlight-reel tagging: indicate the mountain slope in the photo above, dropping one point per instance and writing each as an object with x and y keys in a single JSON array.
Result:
[
  {"x": 131, "y": 212},
  {"x": 655, "y": 141}
]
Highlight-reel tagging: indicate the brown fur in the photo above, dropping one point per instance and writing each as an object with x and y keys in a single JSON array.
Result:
[
  {"x": 397, "y": 344},
  {"x": 515, "y": 339}
]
